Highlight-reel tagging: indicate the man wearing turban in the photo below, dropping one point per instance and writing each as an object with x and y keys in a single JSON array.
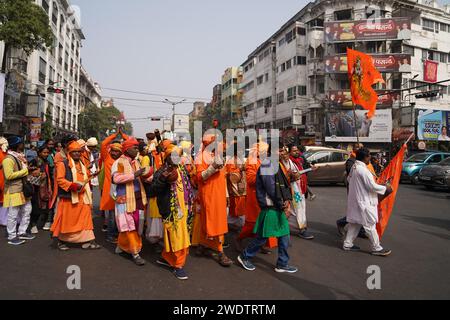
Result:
[
  {"x": 175, "y": 198},
  {"x": 130, "y": 198},
  {"x": 73, "y": 218},
  {"x": 110, "y": 151},
  {"x": 210, "y": 226}
]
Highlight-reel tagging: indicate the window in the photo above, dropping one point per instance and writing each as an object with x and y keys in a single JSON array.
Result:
[
  {"x": 55, "y": 14},
  {"x": 443, "y": 57},
  {"x": 290, "y": 36},
  {"x": 428, "y": 25},
  {"x": 249, "y": 86},
  {"x": 435, "y": 159},
  {"x": 301, "y": 31},
  {"x": 260, "y": 80},
  {"x": 61, "y": 24},
  {"x": 343, "y": 15},
  {"x": 291, "y": 93},
  {"x": 260, "y": 103},
  {"x": 443, "y": 27},
  {"x": 301, "y": 91},
  {"x": 344, "y": 84},
  {"x": 408, "y": 50},
  {"x": 45, "y": 6},
  {"x": 288, "y": 64},
  {"x": 337, "y": 157},
  {"x": 322, "y": 87},
  {"x": 42, "y": 70},
  {"x": 249, "y": 107},
  {"x": 268, "y": 102},
  {"x": 266, "y": 77},
  {"x": 51, "y": 75},
  {"x": 321, "y": 157},
  {"x": 282, "y": 42},
  {"x": 301, "y": 60},
  {"x": 280, "y": 98},
  {"x": 283, "y": 67}
]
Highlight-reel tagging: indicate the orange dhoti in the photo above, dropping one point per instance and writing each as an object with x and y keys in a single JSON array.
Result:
[
  {"x": 73, "y": 222},
  {"x": 130, "y": 242}
]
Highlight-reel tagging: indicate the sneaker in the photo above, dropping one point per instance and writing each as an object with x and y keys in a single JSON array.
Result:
[
  {"x": 246, "y": 264},
  {"x": 138, "y": 260},
  {"x": 341, "y": 229},
  {"x": 16, "y": 242},
  {"x": 354, "y": 248},
  {"x": 312, "y": 197},
  {"x": 26, "y": 236},
  {"x": 105, "y": 228},
  {"x": 287, "y": 269},
  {"x": 163, "y": 262},
  {"x": 180, "y": 274},
  {"x": 382, "y": 253},
  {"x": 62, "y": 246},
  {"x": 34, "y": 230},
  {"x": 47, "y": 226},
  {"x": 226, "y": 245},
  {"x": 304, "y": 234},
  {"x": 118, "y": 250}
]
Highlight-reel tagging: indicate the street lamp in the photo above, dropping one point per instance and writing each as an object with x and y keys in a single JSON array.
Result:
[{"x": 173, "y": 110}]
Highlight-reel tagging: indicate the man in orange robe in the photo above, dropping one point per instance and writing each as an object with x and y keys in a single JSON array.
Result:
[
  {"x": 252, "y": 208},
  {"x": 211, "y": 225},
  {"x": 236, "y": 183},
  {"x": 109, "y": 153},
  {"x": 73, "y": 219}
]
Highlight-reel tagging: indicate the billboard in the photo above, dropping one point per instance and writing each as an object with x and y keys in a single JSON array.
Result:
[
  {"x": 343, "y": 98},
  {"x": 395, "y": 62},
  {"x": 432, "y": 125},
  {"x": 35, "y": 129},
  {"x": 340, "y": 126},
  {"x": 374, "y": 29},
  {"x": 430, "y": 71}
]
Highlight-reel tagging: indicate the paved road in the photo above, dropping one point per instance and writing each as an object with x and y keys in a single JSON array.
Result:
[{"x": 418, "y": 234}]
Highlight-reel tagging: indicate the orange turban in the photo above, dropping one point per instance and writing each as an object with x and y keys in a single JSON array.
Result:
[
  {"x": 165, "y": 144},
  {"x": 129, "y": 143},
  {"x": 115, "y": 146},
  {"x": 74, "y": 146},
  {"x": 172, "y": 149},
  {"x": 82, "y": 143}
]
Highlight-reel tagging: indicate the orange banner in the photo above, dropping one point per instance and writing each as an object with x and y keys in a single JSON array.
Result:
[
  {"x": 392, "y": 172},
  {"x": 363, "y": 75}
]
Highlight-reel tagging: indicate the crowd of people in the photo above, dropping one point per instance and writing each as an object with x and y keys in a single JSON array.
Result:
[{"x": 155, "y": 190}]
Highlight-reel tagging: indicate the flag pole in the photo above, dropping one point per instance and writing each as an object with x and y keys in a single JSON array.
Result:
[
  {"x": 356, "y": 127},
  {"x": 409, "y": 139}
]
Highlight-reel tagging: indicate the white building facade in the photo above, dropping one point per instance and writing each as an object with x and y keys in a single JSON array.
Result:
[
  {"x": 288, "y": 70},
  {"x": 58, "y": 67}
]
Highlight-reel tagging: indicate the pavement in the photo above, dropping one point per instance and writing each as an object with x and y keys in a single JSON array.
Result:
[{"x": 418, "y": 234}]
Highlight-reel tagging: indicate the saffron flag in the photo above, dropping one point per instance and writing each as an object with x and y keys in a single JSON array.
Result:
[
  {"x": 391, "y": 173},
  {"x": 363, "y": 75}
]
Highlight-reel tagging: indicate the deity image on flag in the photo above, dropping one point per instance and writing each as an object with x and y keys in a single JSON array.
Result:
[{"x": 363, "y": 75}]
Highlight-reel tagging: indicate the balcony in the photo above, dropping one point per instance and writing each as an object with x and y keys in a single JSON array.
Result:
[
  {"x": 316, "y": 67},
  {"x": 315, "y": 36}
]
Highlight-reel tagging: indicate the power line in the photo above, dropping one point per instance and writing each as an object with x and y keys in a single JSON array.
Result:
[{"x": 155, "y": 94}]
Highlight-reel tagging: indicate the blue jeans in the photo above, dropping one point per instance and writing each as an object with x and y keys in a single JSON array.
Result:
[
  {"x": 255, "y": 246},
  {"x": 112, "y": 227}
]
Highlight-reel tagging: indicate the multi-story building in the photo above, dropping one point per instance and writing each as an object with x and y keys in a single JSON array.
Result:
[
  {"x": 230, "y": 98},
  {"x": 302, "y": 67},
  {"x": 90, "y": 91},
  {"x": 56, "y": 67}
]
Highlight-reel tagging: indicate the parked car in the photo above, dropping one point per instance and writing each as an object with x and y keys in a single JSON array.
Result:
[
  {"x": 331, "y": 164},
  {"x": 437, "y": 175},
  {"x": 413, "y": 165}
]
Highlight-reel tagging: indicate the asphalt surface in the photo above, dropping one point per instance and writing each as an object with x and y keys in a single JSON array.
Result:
[{"x": 418, "y": 234}]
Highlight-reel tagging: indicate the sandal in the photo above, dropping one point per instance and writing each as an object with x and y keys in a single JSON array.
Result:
[
  {"x": 223, "y": 260},
  {"x": 91, "y": 246}
]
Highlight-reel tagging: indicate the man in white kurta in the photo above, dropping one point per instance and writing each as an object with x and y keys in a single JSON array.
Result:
[{"x": 362, "y": 207}]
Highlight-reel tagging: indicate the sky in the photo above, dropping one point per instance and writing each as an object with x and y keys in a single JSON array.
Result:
[{"x": 171, "y": 47}]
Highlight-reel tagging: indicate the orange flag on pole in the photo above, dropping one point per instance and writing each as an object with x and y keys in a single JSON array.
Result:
[
  {"x": 392, "y": 172},
  {"x": 363, "y": 75}
]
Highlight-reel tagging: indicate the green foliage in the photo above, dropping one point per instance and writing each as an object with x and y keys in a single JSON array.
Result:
[
  {"x": 47, "y": 126},
  {"x": 24, "y": 25},
  {"x": 95, "y": 122}
]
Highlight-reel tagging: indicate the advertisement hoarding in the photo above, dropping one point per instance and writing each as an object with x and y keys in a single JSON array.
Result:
[
  {"x": 430, "y": 71},
  {"x": 35, "y": 129},
  {"x": 397, "y": 28},
  {"x": 340, "y": 126},
  {"x": 432, "y": 125},
  {"x": 395, "y": 62},
  {"x": 181, "y": 122},
  {"x": 343, "y": 98}
]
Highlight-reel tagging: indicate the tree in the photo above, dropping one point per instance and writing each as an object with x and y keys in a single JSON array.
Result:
[
  {"x": 95, "y": 122},
  {"x": 24, "y": 25},
  {"x": 47, "y": 126}
]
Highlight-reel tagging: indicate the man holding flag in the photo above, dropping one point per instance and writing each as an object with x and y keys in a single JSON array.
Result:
[{"x": 362, "y": 207}]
